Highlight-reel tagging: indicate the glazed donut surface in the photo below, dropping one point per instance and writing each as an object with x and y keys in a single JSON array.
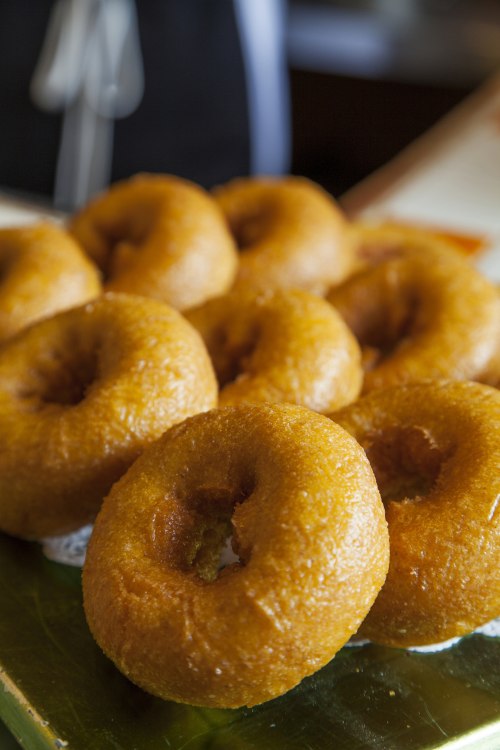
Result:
[
  {"x": 290, "y": 233},
  {"x": 311, "y": 543},
  {"x": 81, "y": 394},
  {"x": 422, "y": 315},
  {"x": 280, "y": 346},
  {"x": 158, "y": 236},
  {"x": 434, "y": 450},
  {"x": 44, "y": 271}
]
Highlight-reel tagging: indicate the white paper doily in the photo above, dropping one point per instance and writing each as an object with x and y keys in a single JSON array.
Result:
[{"x": 69, "y": 549}]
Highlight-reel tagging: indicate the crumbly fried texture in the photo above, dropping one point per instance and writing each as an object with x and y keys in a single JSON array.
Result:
[
  {"x": 43, "y": 271},
  {"x": 426, "y": 313},
  {"x": 158, "y": 236},
  {"x": 280, "y": 346},
  {"x": 301, "y": 503},
  {"x": 81, "y": 395},
  {"x": 434, "y": 450},
  {"x": 290, "y": 233}
]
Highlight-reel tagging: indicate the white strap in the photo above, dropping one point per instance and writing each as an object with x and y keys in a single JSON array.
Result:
[
  {"x": 90, "y": 67},
  {"x": 261, "y": 25}
]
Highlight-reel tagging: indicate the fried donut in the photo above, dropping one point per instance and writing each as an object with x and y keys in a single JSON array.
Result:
[
  {"x": 290, "y": 233},
  {"x": 280, "y": 346},
  {"x": 43, "y": 272},
  {"x": 161, "y": 237},
  {"x": 422, "y": 315},
  {"x": 376, "y": 242},
  {"x": 81, "y": 394},
  {"x": 307, "y": 524},
  {"x": 496, "y": 380},
  {"x": 434, "y": 450}
]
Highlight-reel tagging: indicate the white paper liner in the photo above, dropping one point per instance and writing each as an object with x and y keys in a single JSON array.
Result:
[
  {"x": 490, "y": 629},
  {"x": 70, "y": 550}
]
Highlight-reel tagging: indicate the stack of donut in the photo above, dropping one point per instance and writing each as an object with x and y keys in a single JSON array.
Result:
[{"x": 192, "y": 384}]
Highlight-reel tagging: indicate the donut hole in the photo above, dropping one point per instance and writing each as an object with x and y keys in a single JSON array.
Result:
[
  {"x": 122, "y": 240},
  {"x": 406, "y": 462},
  {"x": 214, "y": 545},
  {"x": 384, "y": 331},
  {"x": 70, "y": 385},
  {"x": 249, "y": 228},
  {"x": 232, "y": 353},
  {"x": 61, "y": 379},
  {"x": 385, "y": 312},
  {"x": 213, "y": 549}
]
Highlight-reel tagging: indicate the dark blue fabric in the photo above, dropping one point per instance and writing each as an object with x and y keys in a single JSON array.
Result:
[{"x": 192, "y": 120}]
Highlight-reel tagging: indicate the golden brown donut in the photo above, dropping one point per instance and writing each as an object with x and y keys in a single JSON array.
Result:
[
  {"x": 81, "y": 394},
  {"x": 422, "y": 315},
  {"x": 374, "y": 242},
  {"x": 289, "y": 231},
  {"x": 43, "y": 271},
  {"x": 158, "y": 236},
  {"x": 280, "y": 346},
  {"x": 494, "y": 380},
  {"x": 434, "y": 450},
  {"x": 300, "y": 501}
]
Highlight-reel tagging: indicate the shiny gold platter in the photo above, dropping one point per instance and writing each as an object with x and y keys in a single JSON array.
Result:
[{"x": 58, "y": 691}]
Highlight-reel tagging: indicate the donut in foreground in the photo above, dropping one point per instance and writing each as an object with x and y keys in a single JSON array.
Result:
[
  {"x": 81, "y": 395},
  {"x": 426, "y": 313},
  {"x": 299, "y": 499},
  {"x": 434, "y": 448},
  {"x": 159, "y": 236},
  {"x": 290, "y": 233},
  {"x": 44, "y": 271},
  {"x": 287, "y": 345}
]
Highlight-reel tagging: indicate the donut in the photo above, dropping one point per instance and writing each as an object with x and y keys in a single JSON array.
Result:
[
  {"x": 81, "y": 394},
  {"x": 422, "y": 315},
  {"x": 434, "y": 449},
  {"x": 494, "y": 375},
  {"x": 289, "y": 231},
  {"x": 158, "y": 236},
  {"x": 374, "y": 242},
  {"x": 280, "y": 346},
  {"x": 496, "y": 379},
  {"x": 308, "y": 530},
  {"x": 43, "y": 271}
]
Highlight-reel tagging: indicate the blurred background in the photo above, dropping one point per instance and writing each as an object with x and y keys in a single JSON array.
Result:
[{"x": 92, "y": 91}]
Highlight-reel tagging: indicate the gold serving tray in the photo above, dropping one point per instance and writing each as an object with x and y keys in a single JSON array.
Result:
[{"x": 58, "y": 691}]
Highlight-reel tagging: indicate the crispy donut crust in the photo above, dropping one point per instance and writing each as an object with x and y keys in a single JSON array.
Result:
[
  {"x": 494, "y": 380},
  {"x": 290, "y": 233},
  {"x": 374, "y": 242},
  {"x": 309, "y": 530},
  {"x": 434, "y": 449},
  {"x": 81, "y": 394},
  {"x": 424, "y": 314},
  {"x": 280, "y": 346},
  {"x": 158, "y": 236},
  {"x": 43, "y": 271}
]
